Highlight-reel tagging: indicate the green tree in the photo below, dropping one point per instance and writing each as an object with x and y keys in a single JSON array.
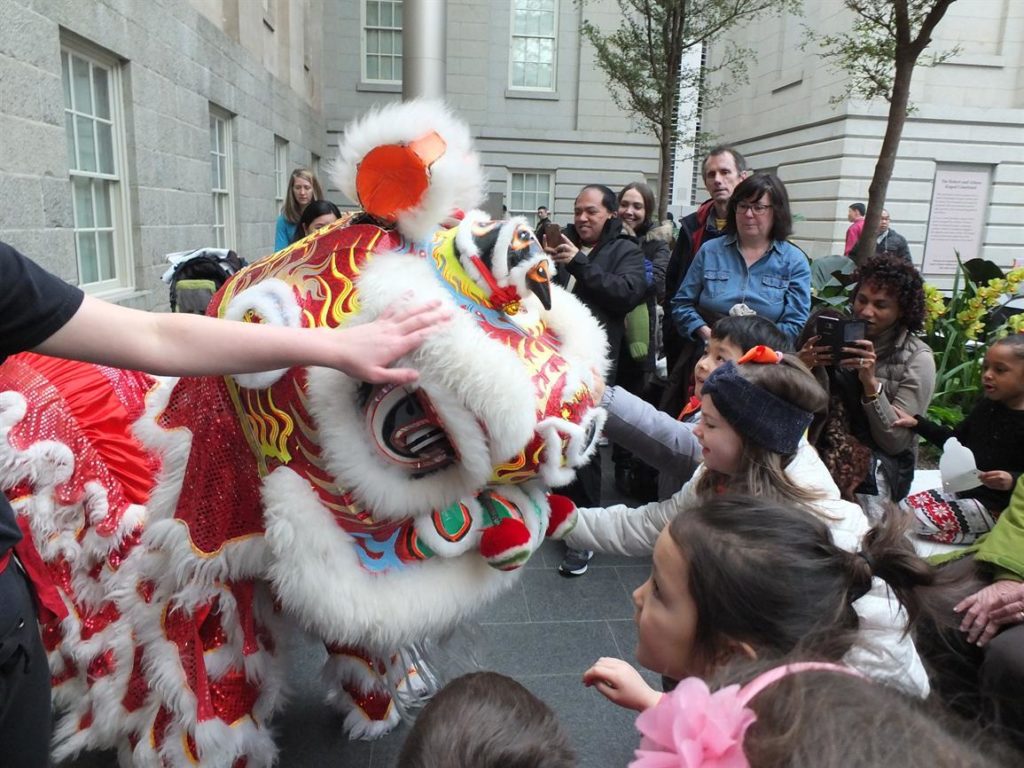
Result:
[
  {"x": 643, "y": 61},
  {"x": 886, "y": 42}
]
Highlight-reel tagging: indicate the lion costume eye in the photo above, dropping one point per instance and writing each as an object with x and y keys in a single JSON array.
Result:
[{"x": 406, "y": 429}]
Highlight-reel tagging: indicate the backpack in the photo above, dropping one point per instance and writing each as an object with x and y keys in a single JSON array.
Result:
[{"x": 195, "y": 276}]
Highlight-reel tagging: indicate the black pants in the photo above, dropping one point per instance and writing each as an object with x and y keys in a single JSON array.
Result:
[
  {"x": 1001, "y": 680},
  {"x": 24, "y": 677},
  {"x": 978, "y": 683}
]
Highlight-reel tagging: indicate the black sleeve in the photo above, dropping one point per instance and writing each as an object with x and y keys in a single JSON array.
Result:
[
  {"x": 616, "y": 285},
  {"x": 937, "y": 434},
  {"x": 33, "y": 303},
  {"x": 905, "y": 251},
  {"x": 677, "y": 265},
  {"x": 657, "y": 253}
]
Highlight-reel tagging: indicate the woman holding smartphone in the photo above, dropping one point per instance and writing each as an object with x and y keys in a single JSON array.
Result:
[{"x": 890, "y": 367}]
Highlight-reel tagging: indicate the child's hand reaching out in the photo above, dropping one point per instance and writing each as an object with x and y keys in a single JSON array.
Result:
[
  {"x": 621, "y": 684},
  {"x": 903, "y": 419}
]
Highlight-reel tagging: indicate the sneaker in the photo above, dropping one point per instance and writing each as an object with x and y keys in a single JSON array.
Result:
[{"x": 575, "y": 561}]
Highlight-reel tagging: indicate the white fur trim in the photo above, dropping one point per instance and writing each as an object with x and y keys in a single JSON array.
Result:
[
  {"x": 583, "y": 340},
  {"x": 489, "y": 379},
  {"x": 471, "y": 380},
  {"x": 273, "y": 301},
  {"x": 358, "y": 725},
  {"x": 192, "y": 574},
  {"x": 456, "y": 178},
  {"x": 316, "y": 572},
  {"x": 466, "y": 247},
  {"x": 581, "y": 446},
  {"x": 173, "y": 445},
  {"x": 386, "y": 488}
]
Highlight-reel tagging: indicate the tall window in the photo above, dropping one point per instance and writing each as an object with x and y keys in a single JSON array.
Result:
[
  {"x": 534, "y": 29},
  {"x": 222, "y": 178},
  {"x": 527, "y": 192},
  {"x": 95, "y": 141},
  {"x": 280, "y": 168},
  {"x": 382, "y": 41}
]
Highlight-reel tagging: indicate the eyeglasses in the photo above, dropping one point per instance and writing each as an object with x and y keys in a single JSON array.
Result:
[{"x": 759, "y": 209}]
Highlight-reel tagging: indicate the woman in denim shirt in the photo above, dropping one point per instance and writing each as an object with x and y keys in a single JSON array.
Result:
[{"x": 752, "y": 269}]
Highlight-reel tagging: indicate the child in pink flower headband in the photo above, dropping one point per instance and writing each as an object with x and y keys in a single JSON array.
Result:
[
  {"x": 807, "y": 714},
  {"x": 755, "y": 414},
  {"x": 736, "y": 577}
]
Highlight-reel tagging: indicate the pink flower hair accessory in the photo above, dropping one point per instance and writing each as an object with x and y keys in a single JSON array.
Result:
[{"x": 691, "y": 727}]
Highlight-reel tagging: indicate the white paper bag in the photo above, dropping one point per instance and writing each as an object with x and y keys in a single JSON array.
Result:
[{"x": 958, "y": 468}]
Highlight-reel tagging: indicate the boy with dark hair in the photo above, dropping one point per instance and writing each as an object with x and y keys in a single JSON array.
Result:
[
  {"x": 486, "y": 720},
  {"x": 665, "y": 442}
]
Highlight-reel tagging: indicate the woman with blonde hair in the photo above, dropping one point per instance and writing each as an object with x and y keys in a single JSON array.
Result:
[{"x": 303, "y": 188}]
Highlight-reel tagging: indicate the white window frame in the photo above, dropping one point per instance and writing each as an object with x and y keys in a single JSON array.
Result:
[
  {"x": 222, "y": 190},
  {"x": 530, "y": 212},
  {"x": 512, "y": 85},
  {"x": 280, "y": 168},
  {"x": 123, "y": 278},
  {"x": 364, "y": 29}
]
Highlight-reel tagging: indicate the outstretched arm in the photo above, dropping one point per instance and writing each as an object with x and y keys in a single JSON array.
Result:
[
  {"x": 194, "y": 345},
  {"x": 621, "y": 684},
  {"x": 665, "y": 443}
]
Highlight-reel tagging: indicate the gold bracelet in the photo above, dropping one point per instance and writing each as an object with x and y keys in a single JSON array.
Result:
[{"x": 871, "y": 398}]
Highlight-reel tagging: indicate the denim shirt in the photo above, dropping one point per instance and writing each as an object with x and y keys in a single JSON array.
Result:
[{"x": 777, "y": 287}]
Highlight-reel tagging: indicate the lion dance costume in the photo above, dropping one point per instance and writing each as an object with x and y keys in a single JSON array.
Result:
[{"x": 182, "y": 521}]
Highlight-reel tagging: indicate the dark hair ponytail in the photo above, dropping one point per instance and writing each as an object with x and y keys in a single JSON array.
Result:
[
  {"x": 887, "y": 552},
  {"x": 769, "y": 575},
  {"x": 764, "y": 574}
]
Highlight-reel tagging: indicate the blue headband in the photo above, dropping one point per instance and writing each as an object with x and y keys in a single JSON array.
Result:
[{"x": 756, "y": 413}]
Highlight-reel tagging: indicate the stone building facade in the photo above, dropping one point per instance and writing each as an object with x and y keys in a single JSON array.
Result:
[
  {"x": 969, "y": 118},
  {"x": 131, "y": 130}
]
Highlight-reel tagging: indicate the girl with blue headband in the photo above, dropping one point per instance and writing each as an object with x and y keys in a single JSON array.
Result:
[{"x": 755, "y": 416}]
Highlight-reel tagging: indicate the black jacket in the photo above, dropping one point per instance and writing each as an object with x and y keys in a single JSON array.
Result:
[
  {"x": 893, "y": 242},
  {"x": 657, "y": 252},
  {"x": 692, "y": 227},
  {"x": 610, "y": 280}
]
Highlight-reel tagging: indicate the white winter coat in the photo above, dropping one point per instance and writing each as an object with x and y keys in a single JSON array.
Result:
[{"x": 883, "y": 653}]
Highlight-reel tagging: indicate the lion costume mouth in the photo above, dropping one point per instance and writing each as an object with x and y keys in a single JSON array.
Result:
[{"x": 406, "y": 430}]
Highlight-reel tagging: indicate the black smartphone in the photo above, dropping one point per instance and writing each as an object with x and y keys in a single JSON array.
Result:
[
  {"x": 837, "y": 333},
  {"x": 553, "y": 235}
]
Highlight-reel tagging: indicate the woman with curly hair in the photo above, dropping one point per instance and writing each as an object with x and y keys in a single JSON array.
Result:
[{"x": 890, "y": 368}]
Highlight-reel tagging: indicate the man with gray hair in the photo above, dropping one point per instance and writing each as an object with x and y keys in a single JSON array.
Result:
[{"x": 723, "y": 168}]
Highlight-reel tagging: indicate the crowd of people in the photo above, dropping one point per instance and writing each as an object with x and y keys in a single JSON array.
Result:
[{"x": 781, "y": 525}]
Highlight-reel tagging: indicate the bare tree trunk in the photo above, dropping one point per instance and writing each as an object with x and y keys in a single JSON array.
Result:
[
  {"x": 879, "y": 187},
  {"x": 667, "y": 156},
  {"x": 907, "y": 53},
  {"x": 675, "y": 33}
]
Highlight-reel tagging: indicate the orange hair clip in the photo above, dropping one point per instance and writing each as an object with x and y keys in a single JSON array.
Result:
[{"x": 761, "y": 354}]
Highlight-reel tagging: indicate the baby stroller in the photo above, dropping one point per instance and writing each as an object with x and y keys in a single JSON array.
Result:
[{"x": 195, "y": 276}]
